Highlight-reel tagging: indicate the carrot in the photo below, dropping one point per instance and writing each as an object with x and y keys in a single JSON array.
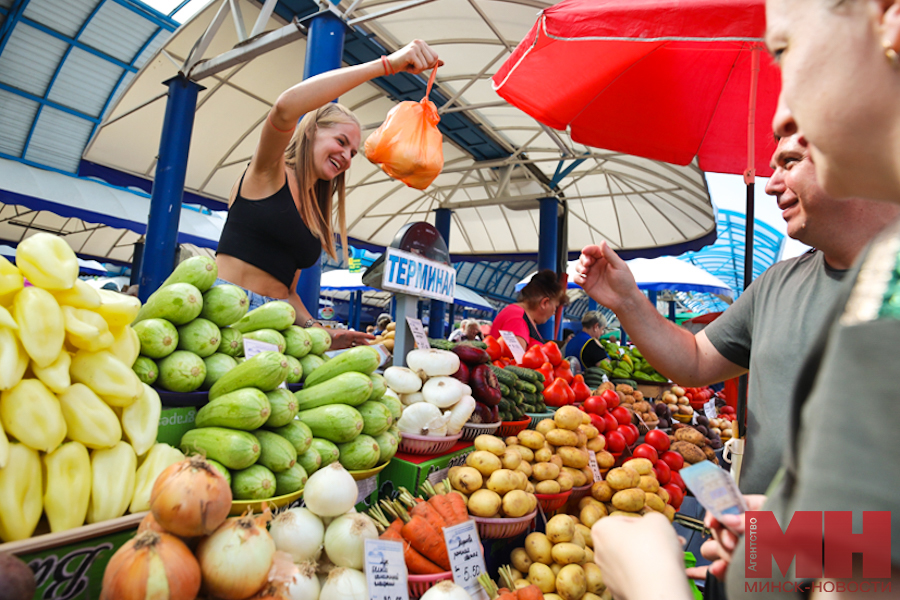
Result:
[
  {"x": 415, "y": 562},
  {"x": 459, "y": 507},
  {"x": 429, "y": 512},
  {"x": 392, "y": 532},
  {"x": 505, "y": 594},
  {"x": 427, "y": 540},
  {"x": 529, "y": 592}
]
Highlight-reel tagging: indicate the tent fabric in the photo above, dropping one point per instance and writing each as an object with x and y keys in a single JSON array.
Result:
[{"x": 342, "y": 280}]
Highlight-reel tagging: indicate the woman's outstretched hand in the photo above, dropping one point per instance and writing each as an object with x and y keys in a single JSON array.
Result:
[
  {"x": 415, "y": 57},
  {"x": 344, "y": 338}
]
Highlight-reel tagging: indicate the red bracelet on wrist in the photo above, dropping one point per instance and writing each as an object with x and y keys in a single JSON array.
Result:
[{"x": 388, "y": 70}]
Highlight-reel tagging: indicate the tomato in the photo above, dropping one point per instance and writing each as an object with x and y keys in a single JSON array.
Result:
[
  {"x": 677, "y": 480},
  {"x": 582, "y": 391},
  {"x": 728, "y": 410},
  {"x": 630, "y": 432},
  {"x": 570, "y": 394},
  {"x": 546, "y": 370},
  {"x": 676, "y": 496},
  {"x": 555, "y": 394},
  {"x": 563, "y": 370},
  {"x": 658, "y": 439},
  {"x": 646, "y": 451},
  {"x": 689, "y": 395},
  {"x": 504, "y": 349},
  {"x": 622, "y": 415},
  {"x": 534, "y": 357},
  {"x": 663, "y": 472},
  {"x": 615, "y": 441},
  {"x": 611, "y": 423},
  {"x": 595, "y": 405},
  {"x": 673, "y": 459},
  {"x": 611, "y": 397},
  {"x": 598, "y": 422},
  {"x": 554, "y": 356},
  {"x": 493, "y": 348}
]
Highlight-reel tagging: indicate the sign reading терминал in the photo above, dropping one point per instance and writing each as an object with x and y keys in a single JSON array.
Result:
[{"x": 415, "y": 275}]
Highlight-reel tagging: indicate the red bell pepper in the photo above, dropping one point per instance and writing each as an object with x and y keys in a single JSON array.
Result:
[
  {"x": 581, "y": 389},
  {"x": 563, "y": 370},
  {"x": 546, "y": 370},
  {"x": 534, "y": 357},
  {"x": 570, "y": 395},
  {"x": 554, "y": 356},
  {"x": 555, "y": 393},
  {"x": 493, "y": 348}
]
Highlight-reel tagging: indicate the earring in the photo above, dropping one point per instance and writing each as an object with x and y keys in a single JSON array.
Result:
[{"x": 891, "y": 55}]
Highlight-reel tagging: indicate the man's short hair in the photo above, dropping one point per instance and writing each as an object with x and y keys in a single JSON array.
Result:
[{"x": 592, "y": 318}]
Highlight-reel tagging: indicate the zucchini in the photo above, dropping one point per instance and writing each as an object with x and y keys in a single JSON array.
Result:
[
  {"x": 529, "y": 375},
  {"x": 298, "y": 341},
  {"x": 310, "y": 363},
  {"x": 336, "y": 423},
  {"x": 178, "y": 303},
  {"x": 298, "y": 434},
  {"x": 276, "y": 315},
  {"x": 379, "y": 387},
  {"x": 361, "y": 359},
  {"x": 269, "y": 336},
  {"x": 265, "y": 371},
  {"x": 275, "y": 452},
  {"x": 505, "y": 377},
  {"x": 295, "y": 370},
  {"x": 360, "y": 454},
  {"x": 234, "y": 449},
  {"x": 377, "y": 418},
  {"x": 327, "y": 451},
  {"x": 387, "y": 445},
  {"x": 320, "y": 338},
  {"x": 290, "y": 481},
  {"x": 221, "y": 469},
  {"x": 347, "y": 388},
  {"x": 199, "y": 271},
  {"x": 253, "y": 483},
  {"x": 246, "y": 409},
  {"x": 309, "y": 460},
  {"x": 284, "y": 407}
]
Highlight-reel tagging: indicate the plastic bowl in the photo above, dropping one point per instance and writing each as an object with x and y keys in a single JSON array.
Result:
[
  {"x": 501, "y": 529},
  {"x": 551, "y": 502},
  {"x": 239, "y": 507},
  {"x": 426, "y": 444},
  {"x": 537, "y": 418},
  {"x": 470, "y": 431},
  {"x": 366, "y": 473},
  {"x": 683, "y": 418},
  {"x": 419, "y": 584},
  {"x": 508, "y": 428}
]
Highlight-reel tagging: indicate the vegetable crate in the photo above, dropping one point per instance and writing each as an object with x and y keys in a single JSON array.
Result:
[
  {"x": 410, "y": 470},
  {"x": 174, "y": 422}
]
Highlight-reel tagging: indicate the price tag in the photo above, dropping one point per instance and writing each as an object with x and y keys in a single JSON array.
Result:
[
  {"x": 514, "y": 346},
  {"x": 710, "y": 409},
  {"x": 595, "y": 469},
  {"x": 466, "y": 559},
  {"x": 385, "y": 568},
  {"x": 254, "y": 347},
  {"x": 366, "y": 487},
  {"x": 418, "y": 331}
]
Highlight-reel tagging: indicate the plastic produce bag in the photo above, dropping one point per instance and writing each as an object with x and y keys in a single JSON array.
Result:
[{"x": 408, "y": 145}]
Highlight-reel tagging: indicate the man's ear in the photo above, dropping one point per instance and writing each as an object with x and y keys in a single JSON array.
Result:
[{"x": 890, "y": 24}]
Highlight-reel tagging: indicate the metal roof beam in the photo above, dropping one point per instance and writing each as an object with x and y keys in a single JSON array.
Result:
[
  {"x": 270, "y": 41},
  {"x": 387, "y": 11}
]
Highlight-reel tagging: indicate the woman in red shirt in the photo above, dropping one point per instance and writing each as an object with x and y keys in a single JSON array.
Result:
[{"x": 538, "y": 302}]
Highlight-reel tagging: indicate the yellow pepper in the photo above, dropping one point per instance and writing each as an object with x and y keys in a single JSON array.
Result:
[
  {"x": 68, "y": 486},
  {"x": 6, "y": 319},
  {"x": 11, "y": 281},
  {"x": 86, "y": 329},
  {"x": 140, "y": 421},
  {"x": 21, "y": 492},
  {"x": 112, "y": 482},
  {"x": 118, "y": 309},
  {"x": 89, "y": 419},
  {"x": 110, "y": 379},
  {"x": 41, "y": 326},
  {"x": 32, "y": 414},
  {"x": 158, "y": 459},
  {"x": 127, "y": 344},
  {"x": 13, "y": 359},
  {"x": 56, "y": 376},
  {"x": 4, "y": 448},
  {"x": 83, "y": 295},
  {"x": 47, "y": 261}
]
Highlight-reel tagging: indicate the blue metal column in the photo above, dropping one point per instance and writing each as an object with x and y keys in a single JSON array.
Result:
[
  {"x": 651, "y": 295},
  {"x": 436, "y": 314},
  {"x": 324, "y": 49},
  {"x": 356, "y": 310},
  {"x": 672, "y": 311},
  {"x": 161, "y": 240},
  {"x": 420, "y": 309},
  {"x": 592, "y": 304},
  {"x": 549, "y": 221}
]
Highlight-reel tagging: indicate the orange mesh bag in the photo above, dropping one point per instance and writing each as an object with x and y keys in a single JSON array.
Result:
[{"x": 408, "y": 145}]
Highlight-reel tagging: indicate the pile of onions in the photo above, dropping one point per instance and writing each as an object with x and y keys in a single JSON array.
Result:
[
  {"x": 446, "y": 590},
  {"x": 330, "y": 491},
  {"x": 288, "y": 581},
  {"x": 151, "y": 561},
  {"x": 298, "y": 532},
  {"x": 346, "y": 537},
  {"x": 190, "y": 498},
  {"x": 235, "y": 560},
  {"x": 345, "y": 584}
]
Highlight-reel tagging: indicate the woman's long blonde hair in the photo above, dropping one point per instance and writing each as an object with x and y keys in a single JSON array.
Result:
[{"x": 316, "y": 201}]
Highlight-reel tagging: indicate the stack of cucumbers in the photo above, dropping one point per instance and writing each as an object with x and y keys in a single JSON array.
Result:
[{"x": 522, "y": 392}]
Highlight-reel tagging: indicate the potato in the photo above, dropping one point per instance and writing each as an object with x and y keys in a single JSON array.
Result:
[
  {"x": 631, "y": 500},
  {"x": 654, "y": 502},
  {"x": 549, "y": 486},
  {"x": 521, "y": 582},
  {"x": 525, "y": 467},
  {"x": 568, "y": 417},
  {"x": 490, "y": 443},
  {"x": 588, "y": 500},
  {"x": 570, "y": 582},
  {"x": 602, "y": 491},
  {"x": 466, "y": 479},
  {"x": 527, "y": 454},
  {"x": 578, "y": 539},
  {"x": 510, "y": 459},
  {"x": 649, "y": 483},
  {"x": 531, "y": 439},
  {"x": 542, "y": 576},
  {"x": 562, "y": 437},
  {"x": 585, "y": 419},
  {"x": 516, "y": 504},
  {"x": 556, "y": 568},
  {"x": 538, "y": 548},
  {"x": 690, "y": 435},
  {"x": 622, "y": 478},
  {"x": 691, "y": 453},
  {"x": 577, "y": 476},
  {"x": 663, "y": 494},
  {"x": 669, "y": 512},
  {"x": 485, "y": 462},
  {"x": 642, "y": 465},
  {"x": 534, "y": 501},
  {"x": 573, "y": 457},
  {"x": 560, "y": 529},
  {"x": 591, "y": 513},
  {"x": 520, "y": 560},
  {"x": 523, "y": 480},
  {"x": 567, "y": 553},
  {"x": 594, "y": 578},
  {"x": 545, "y": 470},
  {"x": 588, "y": 475},
  {"x": 557, "y": 460},
  {"x": 554, "y": 596},
  {"x": 545, "y": 425},
  {"x": 605, "y": 460},
  {"x": 582, "y": 439},
  {"x": 484, "y": 503},
  {"x": 502, "y": 481},
  {"x": 543, "y": 455},
  {"x": 585, "y": 532},
  {"x": 624, "y": 513},
  {"x": 565, "y": 481},
  {"x": 511, "y": 440},
  {"x": 589, "y": 431}
]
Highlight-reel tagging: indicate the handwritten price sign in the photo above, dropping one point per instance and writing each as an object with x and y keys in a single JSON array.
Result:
[
  {"x": 466, "y": 559},
  {"x": 386, "y": 573}
]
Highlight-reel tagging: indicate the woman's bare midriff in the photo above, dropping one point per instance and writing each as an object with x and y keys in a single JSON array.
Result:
[{"x": 249, "y": 277}]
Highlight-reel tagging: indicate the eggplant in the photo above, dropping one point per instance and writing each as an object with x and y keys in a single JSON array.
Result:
[
  {"x": 484, "y": 384},
  {"x": 462, "y": 373},
  {"x": 471, "y": 355}
]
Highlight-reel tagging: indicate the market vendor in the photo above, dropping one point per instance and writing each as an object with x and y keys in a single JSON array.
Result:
[
  {"x": 280, "y": 211},
  {"x": 538, "y": 301},
  {"x": 584, "y": 345}
]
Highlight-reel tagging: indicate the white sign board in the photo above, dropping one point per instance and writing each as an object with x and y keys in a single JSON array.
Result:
[
  {"x": 710, "y": 409},
  {"x": 366, "y": 487},
  {"x": 595, "y": 468},
  {"x": 418, "y": 332},
  {"x": 416, "y": 275},
  {"x": 385, "y": 568},
  {"x": 466, "y": 558},
  {"x": 514, "y": 346}
]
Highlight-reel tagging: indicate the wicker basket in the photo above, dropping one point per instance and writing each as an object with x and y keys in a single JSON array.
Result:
[
  {"x": 501, "y": 529},
  {"x": 470, "y": 431},
  {"x": 552, "y": 502},
  {"x": 537, "y": 418},
  {"x": 580, "y": 492},
  {"x": 419, "y": 584},
  {"x": 426, "y": 444},
  {"x": 508, "y": 428}
]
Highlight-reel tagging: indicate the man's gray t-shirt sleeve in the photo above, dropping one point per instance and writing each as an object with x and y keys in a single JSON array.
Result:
[{"x": 731, "y": 332}]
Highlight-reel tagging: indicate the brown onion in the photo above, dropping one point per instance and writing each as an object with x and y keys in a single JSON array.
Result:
[
  {"x": 190, "y": 498},
  {"x": 133, "y": 570},
  {"x": 235, "y": 560},
  {"x": 148, "y": 523}
]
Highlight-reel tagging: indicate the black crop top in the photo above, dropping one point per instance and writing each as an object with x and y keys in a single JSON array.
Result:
[{"x": 270, "y": 234}]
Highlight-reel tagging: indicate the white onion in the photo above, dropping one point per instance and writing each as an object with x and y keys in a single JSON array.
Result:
[
  {"x": 235, "y": 560},
  {"x": 410, "y": 399},
  {"x": 439, "y": 425},
  {"x": 443, "y": 392},
  {"x": 460, "y": 414},
  {"x": 389, "y": 392},
  {"x": 346, "y": 537},
  {"x": 402, "y": 380},
  {"x": 298, "y": 532},
  {"x": 446, "y": 590},
  {"x": 345, "y": 584},
  {"x": 414, "y": 420},
  {"x": 331, "y": 491},
  {"x": 304, "y": 585},
  {"x": 433, "y": 362}
]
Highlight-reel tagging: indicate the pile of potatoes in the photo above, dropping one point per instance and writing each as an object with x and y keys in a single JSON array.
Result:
[
  {"x": 561, "y": 562},
  {"x": 691, "y": 445},
  {"x": 630, "y": 490},
  {"x": 679, "y": 403}
]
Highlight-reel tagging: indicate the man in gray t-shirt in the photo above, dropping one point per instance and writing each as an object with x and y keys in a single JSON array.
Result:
[{"x": 769, "y": 329}]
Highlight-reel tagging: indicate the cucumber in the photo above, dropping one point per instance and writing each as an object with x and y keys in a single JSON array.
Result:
[
  {"x": 253, "y": 483},
  {"x": 216, "y": 366},
  {"x": 232, "y": 342},
  {"x": 298, "y": 434},
  {"x": 347, "y": 388},
  {"x": 387, "y": 446},
  {"x": 336, "y": 423},
  {"x": 298, "y": 341},
  {"x": 320, "y": 338},
  {"x": 310, "y": 363},
  {"x": 284, "y": 407},
  {"x": 224, "y": 304},
  {"x": 221, "y": 469},
  {"x": 269, "y": 336},
  {"x": 361, "y": 359},
  {"x": 507, "y": 378},
  {"x": 181, "y": 371},
  {"x": 179, "y": 303},
  {"x": 272, "y": 315},
  {"x": 524, "y": 386},
  {"x": 199, "y": 271},
  {"x": 393, "y": 405},
  {"x": 295, "y": 370},
  {"x": 310, "y": 460},
  {"x": 376, "y": 416},
  {"x": 200, "y": 336},
  {"x": 327, "y": 451},
  {"x": 441, "y": 344},
  {"x": 291, "y": 480},
  {"x": 265, "y": 371},
  {"x": 379, "y": 387},
  {"x": 246, "y": 409},
  {"x": 528, "y": 375},
  {"x": 360, "y": 454},
  {"x": 234, "y": 449},
  {"x": 146, "y": 370},
  {"x": 275, "y": 453},
  {"x": 158, "y": 337}
]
